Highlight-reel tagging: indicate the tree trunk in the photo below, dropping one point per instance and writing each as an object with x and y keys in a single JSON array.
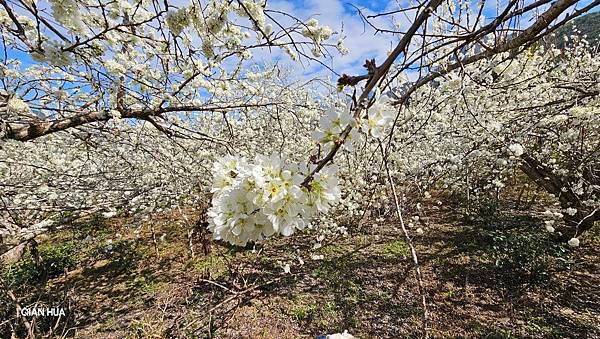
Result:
[{"x": 585, "y": 217}]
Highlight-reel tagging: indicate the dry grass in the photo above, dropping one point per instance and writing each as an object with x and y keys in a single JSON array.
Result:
[{"x": 364, "y": 284}]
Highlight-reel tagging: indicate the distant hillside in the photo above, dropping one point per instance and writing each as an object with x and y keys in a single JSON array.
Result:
[{"x": 588, "y": 24}]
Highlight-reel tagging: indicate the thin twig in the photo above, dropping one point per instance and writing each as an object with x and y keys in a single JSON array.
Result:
[
  {"x": 235, "y": 295},
  {"x": 413, "y": 252}
]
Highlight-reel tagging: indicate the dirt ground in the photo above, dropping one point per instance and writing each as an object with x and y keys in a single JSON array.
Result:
[{"x": 499, "y": 277}]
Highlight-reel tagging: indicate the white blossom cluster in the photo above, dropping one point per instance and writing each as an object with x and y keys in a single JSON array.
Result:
[
  {"x": 67, "y": 13},
  {"x": 254, "y": 200},
  {"x": 319, "y": 34},
  {"x": 332, "y": 124},
  {"x": 516, "y": 149},
  {"x": 16, "y": 105},
  {"x": 471, "y": 134},
  {"x": 379, "y": 118}
]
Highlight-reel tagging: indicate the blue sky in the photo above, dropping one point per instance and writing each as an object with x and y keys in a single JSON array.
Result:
[{"x": 360, "y": 38}]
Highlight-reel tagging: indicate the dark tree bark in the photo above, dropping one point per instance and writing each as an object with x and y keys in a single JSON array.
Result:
[{"x": 542, "y": 175}]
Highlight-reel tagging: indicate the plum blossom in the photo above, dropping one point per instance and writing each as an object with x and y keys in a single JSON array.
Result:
[
  {"x": 549, "y": 225},
  {"x": 516, "y": 149},
  {"x": 177, "y": 20},
  {"x": 316, "y": 33},
  {"x": 571, "y": 211},
  {"x": 381, "y": 116},
  {"x": 254, "y": 200},
  {"x": 16, "y": 105},
  {"x": 67, "y": 13},
  {"x": 332, "y": 124},
  {"x": 574, "y": 242}
]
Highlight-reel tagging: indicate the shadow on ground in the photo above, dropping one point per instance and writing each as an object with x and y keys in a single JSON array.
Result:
[{"x": 499, "y": 277}]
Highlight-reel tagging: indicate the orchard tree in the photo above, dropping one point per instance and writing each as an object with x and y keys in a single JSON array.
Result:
[
  {"x": 451, "y": 53},
  {"x": 126, "y": 103}
]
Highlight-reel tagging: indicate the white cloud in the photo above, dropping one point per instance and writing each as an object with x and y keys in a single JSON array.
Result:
[{"x": 359, "y": 37}]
